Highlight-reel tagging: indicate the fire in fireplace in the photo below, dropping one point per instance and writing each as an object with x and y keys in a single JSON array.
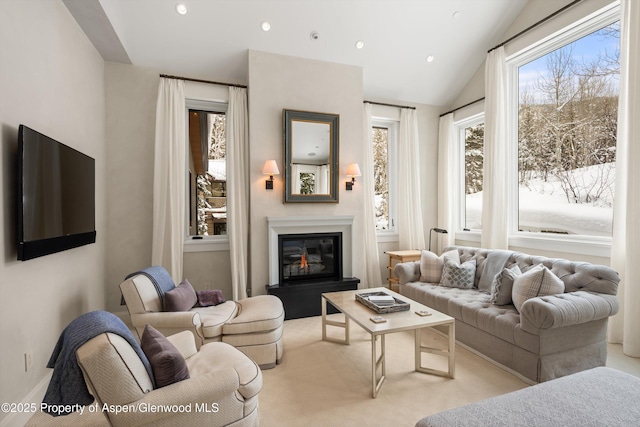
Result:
[{"x": 309, "y": 257}]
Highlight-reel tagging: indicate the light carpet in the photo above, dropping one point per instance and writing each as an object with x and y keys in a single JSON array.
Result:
[{"x": 321, "y": 383}]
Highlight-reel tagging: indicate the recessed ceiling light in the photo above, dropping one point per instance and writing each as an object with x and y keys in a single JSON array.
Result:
[
  {"x": 266, "y": 26},
  {"x": 359, "y": 44},
  {"x": 181, "y": 8},
  {"x": 314, "y": 35},
  {"x": 431, "y": 57},
  {"x": 455, "y": 15}
]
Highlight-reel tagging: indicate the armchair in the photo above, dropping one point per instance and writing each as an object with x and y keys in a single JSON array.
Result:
[
  {"x": 222, "y": 389},
  {"x": 252, "y": 325}
]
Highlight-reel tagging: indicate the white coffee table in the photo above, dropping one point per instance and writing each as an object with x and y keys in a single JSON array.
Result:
[{"x": 395, "y": 322}]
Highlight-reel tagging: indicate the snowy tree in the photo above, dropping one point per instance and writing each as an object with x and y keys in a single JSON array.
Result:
[
  {"x": 307, "y": 183},
  {"x": 474, "y": 158},
  {"x": 568, "y": 122},
  {"x": 381, "y": 176},
  {"x": 218, "y": 142}
]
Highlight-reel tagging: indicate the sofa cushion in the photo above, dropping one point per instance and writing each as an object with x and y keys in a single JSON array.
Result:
[
  {"x": 166, "y": 361},
  {"x": 218, "y": 355},
  {"x": 180, "y": 298},
  {"x": 535, "y": 282},
  {"x": 456, "y": 275},
  {"x": 502, "y": 285},
  {"x": 431, "y": 265},
  {"x": 214, "y": 317},
  {"x": 495, "y": 261},
  {"x": 262, "y": 313}
]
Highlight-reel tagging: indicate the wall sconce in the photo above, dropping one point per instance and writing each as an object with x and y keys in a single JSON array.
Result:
[
  {"x": 270, "y": 168},
  {"x": 437, "y": 230},
  {"x": 353, "y": 170}
]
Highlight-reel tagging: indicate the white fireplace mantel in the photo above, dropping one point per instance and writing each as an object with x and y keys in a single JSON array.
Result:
[{"x": 310, "y": 224}]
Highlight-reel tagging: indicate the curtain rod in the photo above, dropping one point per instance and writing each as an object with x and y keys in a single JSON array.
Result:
[
  {"x": 167, "y": 76},
  {"x": 462, "y": 106},
  {"x": 543, "y": 20},
  {"x": 390, "y": 105}
]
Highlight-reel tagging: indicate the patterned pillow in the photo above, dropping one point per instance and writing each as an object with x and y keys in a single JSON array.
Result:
[
  {"x": 431, "y": 265},
  {"x": 456, "y": 275},
  {"x": 502, "y": 285},
  {"x": 536, "y": 282}
]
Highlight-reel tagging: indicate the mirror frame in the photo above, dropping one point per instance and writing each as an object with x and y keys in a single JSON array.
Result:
[{"x": 333, "y": 120}]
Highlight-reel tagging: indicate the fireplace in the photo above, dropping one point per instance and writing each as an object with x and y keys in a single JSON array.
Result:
[{"x": 308, "y": 257}]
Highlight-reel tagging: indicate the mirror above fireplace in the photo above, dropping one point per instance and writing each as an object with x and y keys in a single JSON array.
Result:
[{"x": 311, "y": 156}]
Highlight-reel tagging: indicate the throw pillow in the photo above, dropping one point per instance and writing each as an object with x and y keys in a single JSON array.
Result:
[
  {"x": 431, "y": 265},
  {"x": 537, "y": 281},
  {"x": 502, "y": 285},
  {"x": 456, "y": 275},
  {"x": 181, "y": 298},
  {"x": 167, "y": 363},
  {"x": 209, "y": 297}
]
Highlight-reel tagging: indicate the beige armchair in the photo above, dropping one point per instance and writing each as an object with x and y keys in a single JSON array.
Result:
[
  {"x": 222, "y": 389},
  {"x": 252, "y": 325}
]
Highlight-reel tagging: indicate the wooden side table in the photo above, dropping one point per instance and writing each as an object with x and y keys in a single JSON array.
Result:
[{"x": 396, "y": 257}]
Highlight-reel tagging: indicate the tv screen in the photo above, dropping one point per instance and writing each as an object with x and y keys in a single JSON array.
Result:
[{"x": 56, "y": 196}]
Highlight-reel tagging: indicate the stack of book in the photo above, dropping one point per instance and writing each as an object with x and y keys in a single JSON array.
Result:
[{"x": 382, "y": 300}]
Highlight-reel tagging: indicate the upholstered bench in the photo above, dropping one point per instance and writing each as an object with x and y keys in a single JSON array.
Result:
[
  {"x": 596, "y": 397},
  {"x": 253, "y": 325}
]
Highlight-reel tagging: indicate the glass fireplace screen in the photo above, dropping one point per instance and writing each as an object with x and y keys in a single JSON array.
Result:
[{"x": 306, "y": 257}]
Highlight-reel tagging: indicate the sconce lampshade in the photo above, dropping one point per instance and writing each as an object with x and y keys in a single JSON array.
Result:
[
  {"x": 353, "y": 170},
  {"x": 270, "y": 168}
]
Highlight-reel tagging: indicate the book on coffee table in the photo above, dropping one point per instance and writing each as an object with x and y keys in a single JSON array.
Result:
[{"x": 382, "y": 299}]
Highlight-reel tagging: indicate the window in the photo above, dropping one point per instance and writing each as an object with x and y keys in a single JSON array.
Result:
[
  {"x": 472, "y": 139},
  {"x": 384, "y": 136},
  {"x": 567, "y": 122},
  {"x": 207, "y": 180}
]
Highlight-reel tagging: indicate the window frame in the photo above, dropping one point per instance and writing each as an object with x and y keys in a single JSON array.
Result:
[
  {"x": 201, "y": 243},
  {"x": 392, "y": 126},
  {"x": 460, "y": 214},
  {"x": 575, "y": 244}
]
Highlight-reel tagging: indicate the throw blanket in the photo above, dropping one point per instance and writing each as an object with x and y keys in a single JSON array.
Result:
[
  {"x": 495, "y": 262},
  {"x": 160, "y": 279},
  {"x": 67, "y": 386}
]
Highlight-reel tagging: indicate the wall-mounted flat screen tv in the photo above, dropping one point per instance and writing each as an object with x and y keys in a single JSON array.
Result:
[{"x": 56, "y": 196}]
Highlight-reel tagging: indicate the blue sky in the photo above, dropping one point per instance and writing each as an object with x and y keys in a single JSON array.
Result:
[{"x": 585, "y": 50}]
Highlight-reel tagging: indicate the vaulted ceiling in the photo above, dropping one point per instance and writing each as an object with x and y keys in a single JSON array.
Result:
[{"x": 211, "y": 40}]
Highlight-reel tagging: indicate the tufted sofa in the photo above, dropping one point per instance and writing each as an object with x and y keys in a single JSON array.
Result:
[{"x": 552, "y": 336}]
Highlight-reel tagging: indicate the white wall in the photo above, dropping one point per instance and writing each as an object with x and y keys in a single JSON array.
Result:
[
  {"x": 52, "y": 80},
  {"x": 278, "y": 82},
  {"x": 131, "y": 95}
]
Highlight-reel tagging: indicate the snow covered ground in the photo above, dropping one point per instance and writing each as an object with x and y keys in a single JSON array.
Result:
[{"x": 544, "y": 207}]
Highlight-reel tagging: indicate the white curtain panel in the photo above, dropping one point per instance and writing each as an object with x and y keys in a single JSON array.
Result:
[
  {"x": 372, "y": 277},
  {"x": 323, "y": 178},
  {"x": 447, "y": 159},
  {"x": 495, "y": 206},
  {"x": 296, "y": 184},
  {"x": 625, "y": 249},
  {"x": 238, "y": 190},
  {"x": 169, "y": 178},
  {"x": 410, "y": 228}
]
